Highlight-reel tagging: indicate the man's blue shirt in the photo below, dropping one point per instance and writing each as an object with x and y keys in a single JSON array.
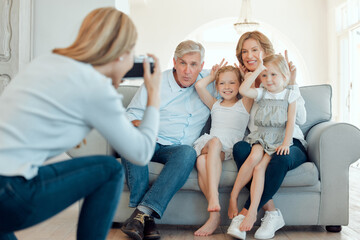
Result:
[{"x": 182, "y": 113}]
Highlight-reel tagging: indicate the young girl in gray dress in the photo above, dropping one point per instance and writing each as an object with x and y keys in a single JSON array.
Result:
[
  {"x": 275, "y": 121},
  {"x": 229, "y": 118}
]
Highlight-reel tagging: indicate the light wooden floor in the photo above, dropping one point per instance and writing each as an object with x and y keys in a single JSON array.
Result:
[{"x": 63, "y": 226}]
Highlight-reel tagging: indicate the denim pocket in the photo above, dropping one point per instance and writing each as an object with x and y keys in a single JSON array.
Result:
[{"x": 14, "y": 211}]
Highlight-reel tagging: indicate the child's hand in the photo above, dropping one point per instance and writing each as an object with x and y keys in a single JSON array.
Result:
[
  {"x": 260, "y": 60},
  {"x": 283, "y": 150},
  {"x": 292, "y": 69},
  {"x": 216, "y": 67}
]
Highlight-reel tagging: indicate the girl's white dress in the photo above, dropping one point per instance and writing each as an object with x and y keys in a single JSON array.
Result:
[{"x": 228, "y": 124}]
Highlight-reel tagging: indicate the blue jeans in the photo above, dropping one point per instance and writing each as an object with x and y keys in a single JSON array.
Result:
[
  {"x": 97, "y": 179},
  {"x": 179, "y": 160},
  {"x": 278, "y": 166}
]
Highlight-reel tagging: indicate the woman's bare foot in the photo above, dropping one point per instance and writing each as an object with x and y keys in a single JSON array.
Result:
[
  {"x": 214, "y": 205},
  {"x": 233, "y": 210},
  {"x": 248, "y": 221},
  {"x": 210, "y": 226}
]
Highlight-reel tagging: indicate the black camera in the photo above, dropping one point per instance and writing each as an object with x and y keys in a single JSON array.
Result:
[{"x": 137, "y": 70}]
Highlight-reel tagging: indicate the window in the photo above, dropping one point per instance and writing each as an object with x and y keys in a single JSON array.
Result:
[{"x": 348, "y": 30}]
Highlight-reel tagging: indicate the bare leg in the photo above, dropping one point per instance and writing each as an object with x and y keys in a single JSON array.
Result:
[
  {"x": 256, "y": 190},
  {"x": 214, "y": 168},
  {"x": 202, "y": 173},
  {"x": 244, "y": 176},
  {"x": 209, "y": 171}
]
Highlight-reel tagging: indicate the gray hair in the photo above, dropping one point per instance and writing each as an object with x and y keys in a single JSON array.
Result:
[{"x": 189, "y": 46}]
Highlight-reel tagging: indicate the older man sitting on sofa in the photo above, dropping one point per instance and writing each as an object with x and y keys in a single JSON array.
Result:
[{"x": 182, "y": 117}]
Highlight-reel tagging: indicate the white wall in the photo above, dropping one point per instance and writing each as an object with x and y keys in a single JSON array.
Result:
[
  {"x": 56, "y": 23},
  {"x": 162, "y": 24}
]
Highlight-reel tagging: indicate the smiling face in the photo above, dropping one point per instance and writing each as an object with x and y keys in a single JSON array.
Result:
[
  {"x": 187, "y": 69},
  {"x": 272, "y": 79},
  {"x": 250, "y": 50},
  {"x": 228, "y": 85}
]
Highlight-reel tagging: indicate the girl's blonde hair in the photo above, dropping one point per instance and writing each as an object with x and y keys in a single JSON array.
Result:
[
  {"x": 280, "y": 64},
  {"x": 228, "y": 69},
  {"x": 105, "y": 34},
  {"x": 257, "y": 36}
]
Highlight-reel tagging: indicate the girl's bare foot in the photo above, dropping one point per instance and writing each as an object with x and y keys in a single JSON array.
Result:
[
  {"x": 248, "y": 221},
  {"x": 210, "y": 226},
  {"x": 214, "y": 205},
  {"x": 233, "y": 209}
]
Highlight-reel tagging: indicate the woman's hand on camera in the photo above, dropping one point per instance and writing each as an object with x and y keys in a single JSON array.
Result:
[{"x": 152, "y": 81}]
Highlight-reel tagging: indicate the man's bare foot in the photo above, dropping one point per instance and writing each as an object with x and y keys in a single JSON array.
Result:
[
  {"x": 233, "y": 210},
  {"x": 214, "y": 205},
  {"x": 210, "y": 226},
  {"x": 248, "y": 222}
]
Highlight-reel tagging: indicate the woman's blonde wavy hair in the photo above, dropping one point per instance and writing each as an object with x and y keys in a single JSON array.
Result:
[
  {"x": 264, "y": 42},
  {"x": 105, "y": 34}
]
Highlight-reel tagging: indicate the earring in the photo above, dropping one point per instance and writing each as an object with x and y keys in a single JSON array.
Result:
[{"x": 121, "y": 58}]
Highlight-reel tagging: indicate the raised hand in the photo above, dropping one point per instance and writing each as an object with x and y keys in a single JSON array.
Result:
[
  {"x": 260, "y": 60},
  {"x": 292, "y": 68},
  {"x": 216, "y": 67},
  {"x": 243, "y": 70}
]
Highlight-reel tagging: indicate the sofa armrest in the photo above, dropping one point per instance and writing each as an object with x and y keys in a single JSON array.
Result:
[{"x": 333, "y": 147}]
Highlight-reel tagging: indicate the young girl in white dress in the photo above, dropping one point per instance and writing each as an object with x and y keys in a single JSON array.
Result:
[
  {"x": 275, "y": 121},
  {"x": 229, "y": 119}
]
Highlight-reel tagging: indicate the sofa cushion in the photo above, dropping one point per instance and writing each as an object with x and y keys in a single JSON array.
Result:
[
  {"x": 304, "y": 175},
  {"x": 318, "y": 105}
]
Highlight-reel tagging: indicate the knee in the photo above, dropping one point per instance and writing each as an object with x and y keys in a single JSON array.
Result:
[
  {"x": 253, "y": 161},
  {"x": 215, "y": 143},
  {"x": 241, "y": 151},
  {"x": 186, "y": 155},
  {"x": 280, "y": 160},
  {"x": 259, "y": 169},
  {"x": 111, "y": 164}
]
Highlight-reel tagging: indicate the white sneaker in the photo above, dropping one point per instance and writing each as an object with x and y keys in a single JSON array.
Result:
[
  {"x": 234, "y": 230},
  {"x": 270, "y": 223}
]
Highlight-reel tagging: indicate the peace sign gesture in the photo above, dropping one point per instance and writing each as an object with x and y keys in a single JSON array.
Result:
[
  {"x": 216, "y": 67},
  {"x": 292, "y": 69},
  {"x": 243, "y": 70}
]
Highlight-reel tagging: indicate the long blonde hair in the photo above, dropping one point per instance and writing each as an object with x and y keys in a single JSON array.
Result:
[
  {"x": 105, "y": 34},
  {"x": 257, "y": 36}
]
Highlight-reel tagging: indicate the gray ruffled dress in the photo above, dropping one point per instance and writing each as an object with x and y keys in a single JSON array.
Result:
[{"x": 270, "y": 119}]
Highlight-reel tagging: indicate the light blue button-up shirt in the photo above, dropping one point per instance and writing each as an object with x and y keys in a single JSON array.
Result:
[{"x": 182, "y": 113}]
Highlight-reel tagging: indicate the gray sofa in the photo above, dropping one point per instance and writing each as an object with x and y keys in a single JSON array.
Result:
[{"x": 315, "y": 193}]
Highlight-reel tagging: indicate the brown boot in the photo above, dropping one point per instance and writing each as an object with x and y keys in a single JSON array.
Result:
[
  {"x": 134, "y": 225},
  {"x": 150, "y": 231}
]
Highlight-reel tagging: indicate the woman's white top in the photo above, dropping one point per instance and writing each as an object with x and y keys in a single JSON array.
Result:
[{"x": 53, "y": 104}]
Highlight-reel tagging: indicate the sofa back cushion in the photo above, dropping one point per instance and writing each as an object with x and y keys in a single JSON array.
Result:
[
  {"x": 318, "y": 105},
  {"x": 128, "y": 92}
]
